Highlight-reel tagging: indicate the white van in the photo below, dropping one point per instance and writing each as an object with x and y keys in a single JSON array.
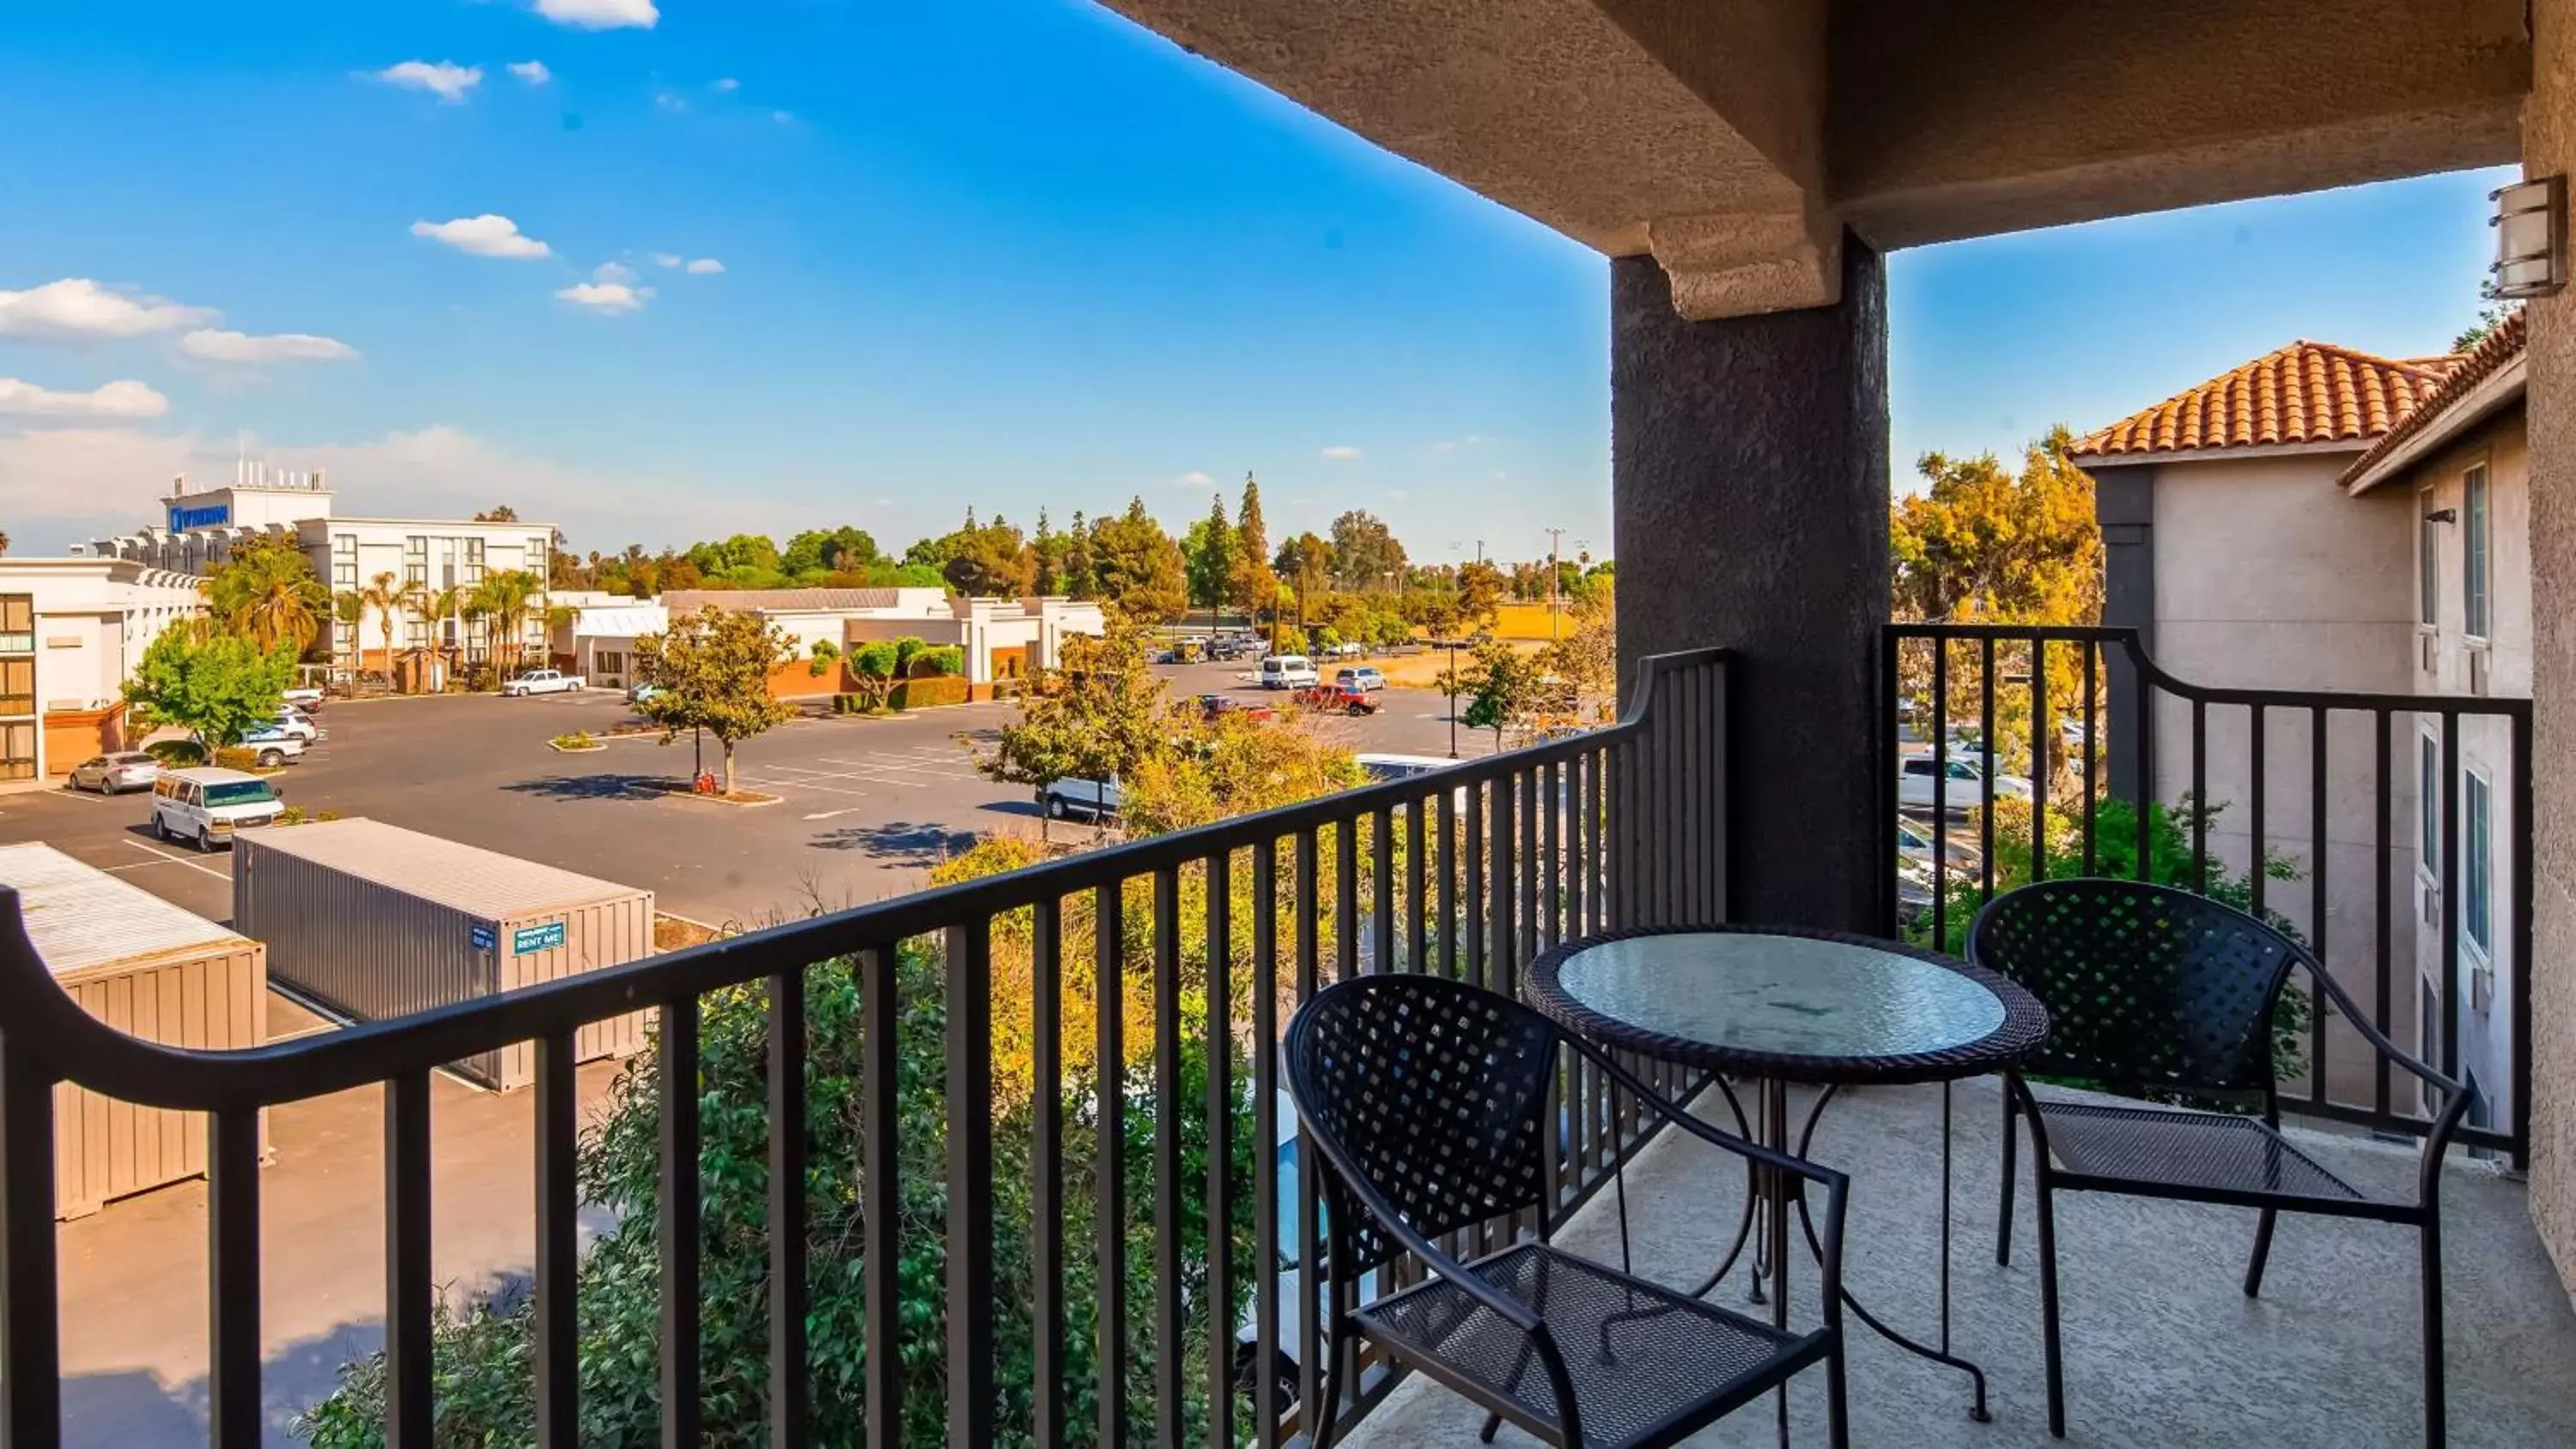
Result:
[
  {"x": 206, "y": 805},
  {"x": 1289, "y": 671}
]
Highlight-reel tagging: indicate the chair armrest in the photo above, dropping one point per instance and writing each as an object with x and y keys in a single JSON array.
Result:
[
  {"x": 1713, "y": 1135},
  {"x": 2378, "y": 1040},
  {"x": 1383, "y": 1215}
]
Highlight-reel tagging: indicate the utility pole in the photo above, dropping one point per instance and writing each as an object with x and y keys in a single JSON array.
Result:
[{"x": 1555, "y": 613}]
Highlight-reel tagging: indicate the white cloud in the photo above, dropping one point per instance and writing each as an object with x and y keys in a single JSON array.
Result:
[
  {"x": 600, "y": 14},
  {"x": 485, "y": 236},
  {"x": 1195, "y": 478},
  {"x": 445, "y": 79},
  {"x": 534, "y": 72},
  {"x": 124, "y": 399},
  {"x": 214, "y": 346},
  {"x": 666, "y": 259},
  {"x": 612, "y": 272},
  {"x": 607, "y": 297},
  {"x": 702, "y": 266},
  {"x": 784, "y": 118},
  {"x": 77, "y": 309},
  {"x": 1341, "y": 452},
  {"x": 728, "y": 84}
]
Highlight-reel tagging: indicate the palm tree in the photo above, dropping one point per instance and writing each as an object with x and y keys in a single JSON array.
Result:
[
  {"x": 276, "y": 599},
  {"x": 434, "y": 607},
  {"x": 505, "y": 599},
  {"x": 388, "y": 595}
]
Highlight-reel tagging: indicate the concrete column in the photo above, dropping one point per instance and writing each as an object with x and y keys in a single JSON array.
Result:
[
  {"x": 2549, "y": 149},
  {"x": 1750, "y": 492},
  {"x": 2124, "y": 504}
]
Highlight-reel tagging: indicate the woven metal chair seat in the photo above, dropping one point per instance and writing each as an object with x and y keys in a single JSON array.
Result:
[
  {"x": 1667, "y": 1360},
  {"x": 2175, "y": 1147}
]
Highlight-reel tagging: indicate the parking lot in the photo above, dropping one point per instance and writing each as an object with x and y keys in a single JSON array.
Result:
[{"x": 865, "y": 806}]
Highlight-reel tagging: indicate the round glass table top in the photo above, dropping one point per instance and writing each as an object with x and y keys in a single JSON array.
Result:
[{"x": 1755, "y": 998}]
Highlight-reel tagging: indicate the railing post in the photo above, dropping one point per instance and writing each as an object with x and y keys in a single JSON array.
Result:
[{"x": 31, "y": 1408}]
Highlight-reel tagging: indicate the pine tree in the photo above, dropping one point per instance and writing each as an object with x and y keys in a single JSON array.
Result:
[{"x": 1255, "y": 586}]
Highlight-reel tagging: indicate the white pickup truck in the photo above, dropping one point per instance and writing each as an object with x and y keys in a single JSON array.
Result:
[{"x": 543, "y": 681}]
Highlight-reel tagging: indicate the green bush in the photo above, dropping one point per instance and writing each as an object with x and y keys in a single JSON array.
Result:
[
  {"x": 926, "y": 692},
  {"x": 826, "y": 654},
  {"x": 482, "y": 1357},
  {"x": 942, "y": 662},
  {"x": 904, "y": 649},
  {"x": 845, "y": 704},
  {"x": 291, "y": 815},
  {"x": 237, "y": 757},
  {"x": 575, "y": 740},
  {"x": 176, "y": 754}
]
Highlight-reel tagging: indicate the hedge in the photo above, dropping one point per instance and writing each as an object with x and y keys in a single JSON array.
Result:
[{"x": 923, "y": 693}]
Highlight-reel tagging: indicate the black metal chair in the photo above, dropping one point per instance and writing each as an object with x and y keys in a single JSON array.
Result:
[
  {"x": 1427, "y": 1100},
  {"x": 2159, "y": 992}
]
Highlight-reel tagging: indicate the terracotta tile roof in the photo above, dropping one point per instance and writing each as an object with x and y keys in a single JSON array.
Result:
[
  {"x": 2510, "y": 340},
  {"x": 2307, "y": 392}
]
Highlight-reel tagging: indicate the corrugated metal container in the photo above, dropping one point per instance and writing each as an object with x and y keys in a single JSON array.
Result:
[
  {"x": 371, "y": 921},
  {"x": 151, "y": 970}
]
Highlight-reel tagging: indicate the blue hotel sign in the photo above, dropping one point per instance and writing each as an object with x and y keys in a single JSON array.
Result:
[{"x": 212, "y": 516}]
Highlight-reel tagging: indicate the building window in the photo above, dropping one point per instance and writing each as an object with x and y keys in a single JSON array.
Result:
[
  {"x": 473, "y": 561},
  {"x": 17, "y": 752},
  {"x": 609, "y": 661},
  {"x": 2429, "y": 795},
  {"x": 539, "y": 561},
  {"x": 2477, "y": 902},
  {"x": 344, "y": 562},
  {"x": 17, "y": 686},
  {"x": 2428, "y": 552},
  {"x": 416, "y": 560},
  {"x": 447, "y": 563},
  {"x": 2473, "y": 580},
  {"x": 17, "y": 623}
]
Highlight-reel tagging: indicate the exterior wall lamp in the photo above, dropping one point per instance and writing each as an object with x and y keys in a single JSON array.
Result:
[
  {"x": 2443, "y": 515},
  {"x": 2531, "y": 238}
]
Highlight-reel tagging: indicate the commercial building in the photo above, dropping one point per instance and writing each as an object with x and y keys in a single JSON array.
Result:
[
  {"x": 425, "y": 559},
  {"x": 71, "y": 631},
  {"x": 1001, "y": 639},
  {"x": 593, "y": 634}
]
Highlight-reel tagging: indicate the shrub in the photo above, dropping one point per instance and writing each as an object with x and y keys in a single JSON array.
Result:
[
  {"x": 483, "y": 1356},
  {"x": 904, "y": 649},
  {"x": 845, "y": 703},
  {"x": 576, "y": 740},
  {"x": 939, "y": 663},
  {"x": 291, "y": 815},
  {"x": 826, "y": 654},
  {"x": 927, "y": 692},
  {"x": 237, "y": 757},
  {"x": 176, "y": 754},
  {"x": 325, "y": 815}
]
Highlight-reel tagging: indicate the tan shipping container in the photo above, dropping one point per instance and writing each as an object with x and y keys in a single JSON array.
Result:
[
  {"x": 370, "y": 921},
  {"x": 151, "y": 970}
]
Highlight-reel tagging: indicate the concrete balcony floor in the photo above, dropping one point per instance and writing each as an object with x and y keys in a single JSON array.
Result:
[{"x": 2162, "y": 1347}]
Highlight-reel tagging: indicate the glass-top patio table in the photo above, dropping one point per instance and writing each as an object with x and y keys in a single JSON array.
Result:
[{"x": 1780, "y": 1006}]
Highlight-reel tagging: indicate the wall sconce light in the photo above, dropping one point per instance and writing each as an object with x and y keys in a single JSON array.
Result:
[
  {"x": 2443, "y": 515},
  {"x": 2531, "y": 238}
]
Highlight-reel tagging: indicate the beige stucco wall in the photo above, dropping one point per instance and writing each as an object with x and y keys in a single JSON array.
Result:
[
  {"x": 2269, "y": 576},
  {"x": 2549, "y": 148}
]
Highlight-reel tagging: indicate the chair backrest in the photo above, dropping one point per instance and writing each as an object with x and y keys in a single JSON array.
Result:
[
  {"x": 2146, "y": 986},
  {"x": 1432, "y": 1094}
]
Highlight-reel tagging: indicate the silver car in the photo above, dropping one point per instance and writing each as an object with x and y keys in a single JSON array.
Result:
[{"x": 117, "y": 773}]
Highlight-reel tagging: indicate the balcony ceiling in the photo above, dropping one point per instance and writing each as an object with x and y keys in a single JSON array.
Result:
[{"x": 1734, "y": 139}]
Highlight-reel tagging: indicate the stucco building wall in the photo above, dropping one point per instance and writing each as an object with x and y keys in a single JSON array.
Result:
[{"x": 2549, "y": 149}]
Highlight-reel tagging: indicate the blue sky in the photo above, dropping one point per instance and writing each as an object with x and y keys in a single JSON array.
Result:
[{"x": 1012, "y": 252}]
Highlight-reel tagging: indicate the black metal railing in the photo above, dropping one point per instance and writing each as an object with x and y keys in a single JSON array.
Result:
[
  {"x": 2092, "y": 728},
  {"x": 1467, "y": 872}
]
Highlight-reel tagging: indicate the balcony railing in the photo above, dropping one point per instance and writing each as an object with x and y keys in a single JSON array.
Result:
[
  {"x": 2286, "y": 801},
  {"x": 1467, "y": 872}
]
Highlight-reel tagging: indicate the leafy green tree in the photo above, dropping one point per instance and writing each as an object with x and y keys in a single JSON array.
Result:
[
  {"x": 1254, "y": 588},
  {"x": 1480, "y": 591},
  {"x": 1989, "y": 545},
  {"x": 388, "y": 597},
  {"x": 1365, "y": 553},
  {"x": 713, "y": 669},
  {"x": 1138, "y": 568},
  {"x": 217, "y": 686},
  {"x": 1081, "y": 578},
  {"x": 745, "y": 556},
  {"x": 872, "y": 666},
  {"x": 820, "y": 551},
  {"x": 939, "y": 661},
  {"x": 498, "y": 513},
  {"x": 1307, "y": 560},
  {"x": 1211, "y": 772},
  {"x": 268, "y": 591},
  {"x": 505, "y": 601},
  {"x": 1503, "y": 689},
  {"x": 1210, "y": 552},
  {"x": 990, "y": 562},
  {"x": 1100, "y": 714}
]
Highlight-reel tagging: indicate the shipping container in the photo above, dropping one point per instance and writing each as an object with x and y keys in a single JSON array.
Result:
[
  {"x": 151, "y": 970},
  {"x": 369, "y": 921}
]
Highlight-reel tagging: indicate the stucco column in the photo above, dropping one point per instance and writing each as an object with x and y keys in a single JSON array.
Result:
[
  {"x": 2549, "y": 148},
  {"x": 1750, "y": 495},
  {"x": 2124, "y": 504}
]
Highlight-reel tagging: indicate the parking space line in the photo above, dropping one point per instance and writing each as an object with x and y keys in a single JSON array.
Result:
[
  {"x": 871, "y": 778},
  {"x": 882, "y": 763},
  {"x": 225, "y": 876}
]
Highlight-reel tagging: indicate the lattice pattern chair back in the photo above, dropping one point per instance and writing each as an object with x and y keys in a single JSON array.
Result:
[
  {"x": 1434, "y": 1091},
  {"x": 2147, "y": 986}
]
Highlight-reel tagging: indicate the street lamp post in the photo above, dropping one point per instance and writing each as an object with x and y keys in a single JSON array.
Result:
[{"x": 1453, "y": 699}]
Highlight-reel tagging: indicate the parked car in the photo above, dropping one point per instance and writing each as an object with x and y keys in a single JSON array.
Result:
[
  {"x": 1347, "y": 649},
  {"x": 543, "y": 681},
  {"x": 273, "y": 746},
  {"x": 1089, "y": 799},
  {"x": 296, "y": 722},
  {"x": 1214, "y": 707},
  {"x": 1914, "y": 843},
  {"x": 1364, "y": 678},
  {"x": 640, "y": 693},
  {"x": 1289, "y": 671},
  {"x": 306, "y": 698},
  {"x": 207, "y": 805},
  {"x": 1382, "y": 768},
  {"x": 1913, "y": 889},
  {"x": 117, "y": 773},
  {"x": 1338, "y": 698},
  {"x": 1915, "y": 775}
]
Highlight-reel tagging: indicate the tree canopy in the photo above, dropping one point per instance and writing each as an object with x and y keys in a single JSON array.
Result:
[
  {"x": 1138, "y": 570},
  {"x": 713, "y": 668},
  {"x": 217, "y": 686},
  {"x": 1209, "y": 551},
  {"x": 1988, "y": 544},
  {"x": 1098, "y": 715},
  {"x": 267, "y": 591},
  {"x": 1365, "y": 553}
]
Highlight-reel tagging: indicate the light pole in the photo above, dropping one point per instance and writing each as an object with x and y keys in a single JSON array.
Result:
[{"x": 1453, "y": 699}]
